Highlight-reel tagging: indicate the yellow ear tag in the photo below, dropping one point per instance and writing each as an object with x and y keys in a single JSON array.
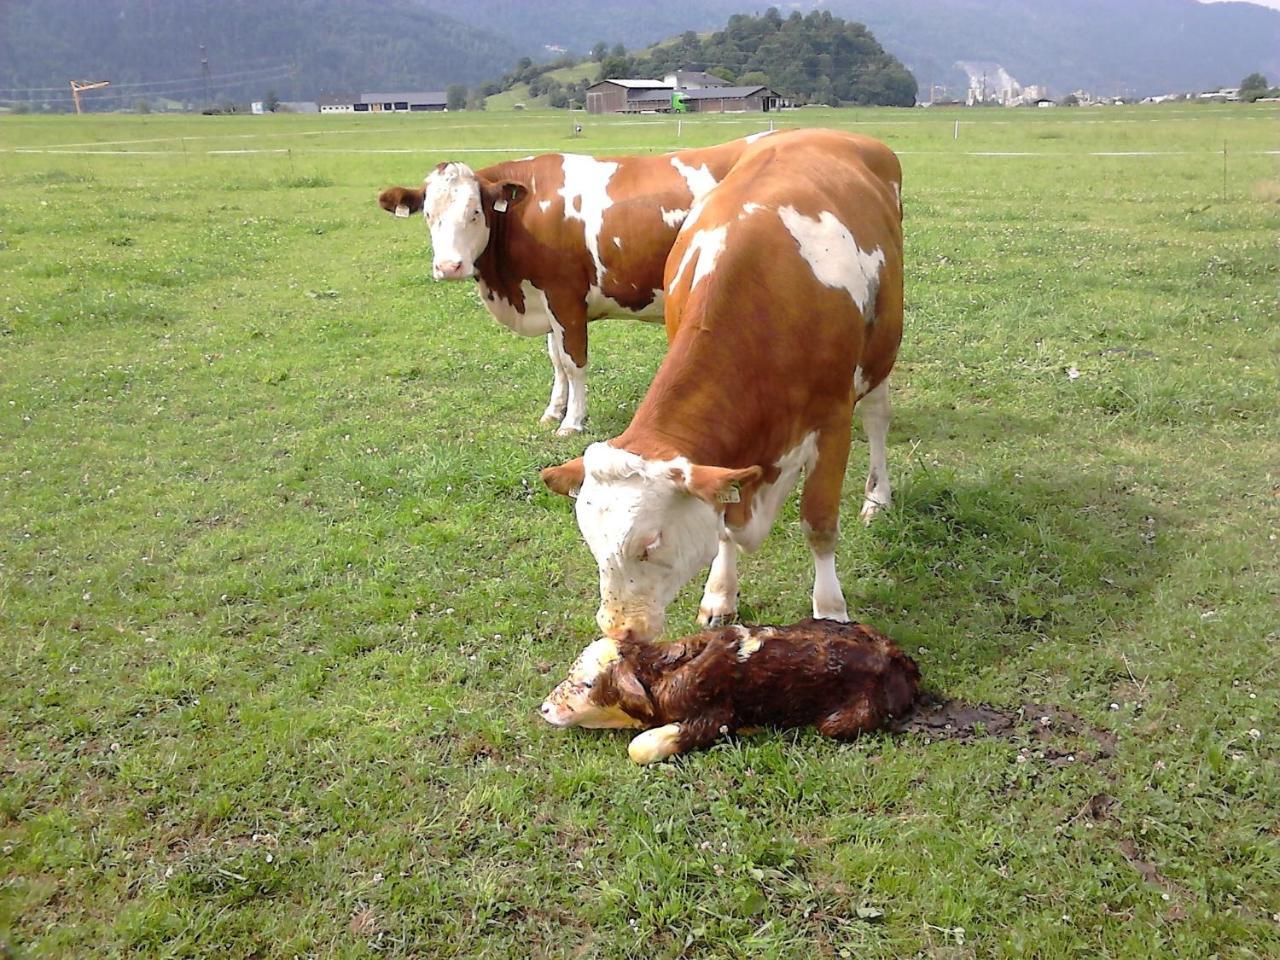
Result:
[
  {"x": 500, "y": 205},
  {"x": 402, "y": 211},
  {"x": 732, "y": 495}
]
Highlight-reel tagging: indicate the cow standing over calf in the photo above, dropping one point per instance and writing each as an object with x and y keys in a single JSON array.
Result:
[
  {"x": 558, "y": 240},
  {"x": 783, "y": 310}
]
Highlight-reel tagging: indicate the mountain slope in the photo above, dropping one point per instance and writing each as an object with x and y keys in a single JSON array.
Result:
[
  {"x": 1142, "y": 46},
  {"x": 336, "y": 46}
]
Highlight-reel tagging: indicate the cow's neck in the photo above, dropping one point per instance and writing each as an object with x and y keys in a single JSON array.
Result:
[{"x": 699, "y": 408}]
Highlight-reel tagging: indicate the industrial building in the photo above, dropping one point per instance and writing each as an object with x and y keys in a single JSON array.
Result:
[{"x": 680, "y": 92}]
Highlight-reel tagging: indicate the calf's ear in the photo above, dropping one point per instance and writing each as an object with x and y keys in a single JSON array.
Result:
[
  {"x": 715, "y": 484},
  {"x": 565, "y": 479},
  {"x": 633, "y": 698}
]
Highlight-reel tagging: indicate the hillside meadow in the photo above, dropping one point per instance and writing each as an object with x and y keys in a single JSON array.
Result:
[{"x": 281, "y": 590}]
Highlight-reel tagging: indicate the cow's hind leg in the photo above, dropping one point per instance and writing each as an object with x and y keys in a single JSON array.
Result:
[
  {"x": 560, "y": 383},
  {"x": 720, "y": 598},
  {"x": 570, "y": 338},
  {"x": 820, "y": 511},
  {"x": 875, "y": 421}
]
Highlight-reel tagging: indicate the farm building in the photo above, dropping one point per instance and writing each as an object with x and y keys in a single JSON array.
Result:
[
  {"x": 401, "y": 101},
  {"x": 661, "y": 96},
  {"x": 396, "y": 102}
]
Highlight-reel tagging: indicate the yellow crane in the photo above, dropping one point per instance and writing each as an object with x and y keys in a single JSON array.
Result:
[{"x": 78, "y": 85}]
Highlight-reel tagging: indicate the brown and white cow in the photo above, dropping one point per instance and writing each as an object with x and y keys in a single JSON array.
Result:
[
  {"x": 783, "y": 310},
  {"x": 557, "y": 240}
]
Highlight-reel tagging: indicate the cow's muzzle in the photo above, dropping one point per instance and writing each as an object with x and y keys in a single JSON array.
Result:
[{"x": 451, "y": 270}]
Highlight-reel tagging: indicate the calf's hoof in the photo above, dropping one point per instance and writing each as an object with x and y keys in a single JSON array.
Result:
[
  {"x": 551, "y": 416},
  {"x": 567, "y": 431},
  {"x": 656, "y": 744}
]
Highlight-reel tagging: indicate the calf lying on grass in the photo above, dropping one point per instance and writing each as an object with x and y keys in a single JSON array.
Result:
[{"x": 843, "y": 678}]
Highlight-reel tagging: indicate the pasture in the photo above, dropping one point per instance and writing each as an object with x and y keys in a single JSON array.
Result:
[{"x": 282, "y": 590}]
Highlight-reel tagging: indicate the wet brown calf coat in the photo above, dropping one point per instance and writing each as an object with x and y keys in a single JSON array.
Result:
[{"x": 844, "y": 678}]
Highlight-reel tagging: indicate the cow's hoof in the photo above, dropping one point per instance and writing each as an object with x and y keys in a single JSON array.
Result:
[
  {"x": 568, "y": 431},
  {"x": 722, "y": 619},
  {"x": 548, "y": 418},
  {"x": 869, "y": 510}
]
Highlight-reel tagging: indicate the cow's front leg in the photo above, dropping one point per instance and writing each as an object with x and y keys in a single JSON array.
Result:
[
  {"x": 569, "y": 332},
  {"x": 559, "y": 384},
  {"x": 820, "y": 510},
  {"x": 720, "y": 598},
  {"x": 875, "y": 421}
]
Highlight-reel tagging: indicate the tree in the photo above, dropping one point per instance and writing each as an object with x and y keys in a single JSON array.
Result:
[
  {"x": 456, "y": 96},
  {"x": 598, "y": 51},
  {"x": 1252, "y": 87},
  {"x": 271, "y": 103},
  {"x": 725, "y": 74},
  {"x": 753, "y": 78},
  {"x": 1070, "y": 100},
  {"x": 477, "y": 101}
]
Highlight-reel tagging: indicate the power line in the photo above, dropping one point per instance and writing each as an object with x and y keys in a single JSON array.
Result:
[
  {"x": 191, "y": 88},
  {"x": 234, "y": 77}
]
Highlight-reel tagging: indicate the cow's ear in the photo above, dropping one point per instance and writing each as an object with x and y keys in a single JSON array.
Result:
[
  {"x": 565, "y": 479},
  {"x": 401, "y": 201},
  {"x": 505, "y": 194},
  {"x": 715, "y": 484}
]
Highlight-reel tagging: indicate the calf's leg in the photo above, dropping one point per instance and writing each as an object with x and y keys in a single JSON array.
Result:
[
  {"x": 845, "y": 723},
  {"x": 820, "y": 513}
]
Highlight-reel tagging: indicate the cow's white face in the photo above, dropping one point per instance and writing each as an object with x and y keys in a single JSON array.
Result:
[
  {"x": 455, "y": 216},
  {"x": 572, "y": 704},
  {"x": 648, "y": 533}
]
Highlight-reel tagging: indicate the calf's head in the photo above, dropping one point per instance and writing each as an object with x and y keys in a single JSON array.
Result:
[
  {"x": 459, "y": 207},
  {"x": 601, "y": 691},
  {"x": 651, "y": 525}
]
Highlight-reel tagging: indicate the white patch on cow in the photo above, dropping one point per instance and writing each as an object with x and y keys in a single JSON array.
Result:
[
  {"x": 617, "y": 242},
  {"x": 452, "y": 209},
  {"x": 673, "y": 218},
  {"x": 625, "y": 503},
  {"x": 769, "y": 497},
  {"x": 600, "y": 304},
  {"x": 756, "y": 136},
  {"x": 859, "y": 383},
  {"x": 749, "y": 208},
  {"x": 748, "y": 643},
  {"x": 544, "y": 205},
  {"x": 534, "y": 320},
  {"x": 835, "y": 257},
  {"x": 897, "y": 193},
  {"x": 700, "y": 179},
  {"x": 705, "y": 248},
  {"x": 559, "y": 401},
  {"x": 656, "y": 744},
  {"x": 586, "y": 198}
]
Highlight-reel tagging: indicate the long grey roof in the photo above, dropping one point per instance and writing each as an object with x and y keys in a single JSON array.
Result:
[
  {"x": 419, "y": 96},
  {"x": 728, "y": 93},
  {"x": 633, "y": 84}
]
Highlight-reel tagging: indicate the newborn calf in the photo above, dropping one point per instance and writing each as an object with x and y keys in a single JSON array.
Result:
[{"x": 842, "y": 677}]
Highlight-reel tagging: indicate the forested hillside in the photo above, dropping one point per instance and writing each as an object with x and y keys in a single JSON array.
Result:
[
  {"x": 333, "y": 46},
  {"x": 816, "y": 58}
]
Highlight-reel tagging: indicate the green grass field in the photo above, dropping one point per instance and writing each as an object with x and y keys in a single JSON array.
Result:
[{"x": 282, "y": 590}]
